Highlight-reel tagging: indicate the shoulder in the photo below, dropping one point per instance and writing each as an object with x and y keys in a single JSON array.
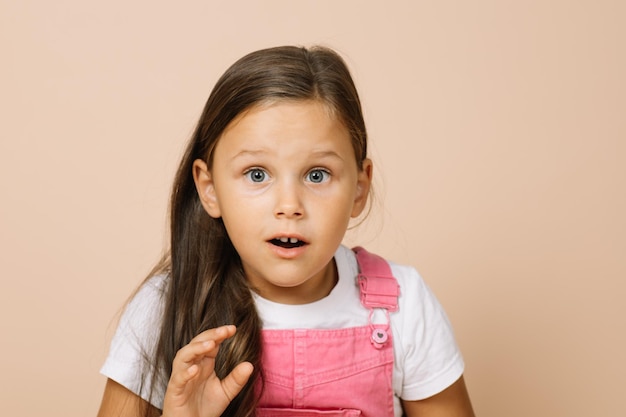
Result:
[
  {"x": 136, "y": 336},
  {"x": 417, "y": 304},
  {"x": 414, "y": 291},
  {"x": 408, "y": 278},
  {"x": 427, "y": 358},
  {"x": 152, "y": 288},
  {"x": 147, "y": 300},
  {"x": 421, "y": 318},
  {"x": 139, "y": 325},
  {"x": 419, "y": 309},
  {"x": 427, "y": 354}
]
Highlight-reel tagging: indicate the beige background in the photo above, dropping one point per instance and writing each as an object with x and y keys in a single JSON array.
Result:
[{"x": 498, "y": 130}]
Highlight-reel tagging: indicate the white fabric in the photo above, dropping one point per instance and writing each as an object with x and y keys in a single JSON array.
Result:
[
  {"x": 427, "y": 358},
  {"x": 135, "y": 339}
]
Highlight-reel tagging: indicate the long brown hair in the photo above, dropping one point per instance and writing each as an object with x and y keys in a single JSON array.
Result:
[{"x": 207, "y": 287}]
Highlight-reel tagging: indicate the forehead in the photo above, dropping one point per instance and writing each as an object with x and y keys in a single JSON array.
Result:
[{"x": 308, "y": 124}]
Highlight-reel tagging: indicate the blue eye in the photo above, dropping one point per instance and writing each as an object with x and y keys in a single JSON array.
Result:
[
  {"x": 256, "y": 175},
  {"x": 318, "y": 175}
]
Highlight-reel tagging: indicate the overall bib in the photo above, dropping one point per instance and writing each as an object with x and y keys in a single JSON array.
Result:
[{"x": 337, "y": 372}]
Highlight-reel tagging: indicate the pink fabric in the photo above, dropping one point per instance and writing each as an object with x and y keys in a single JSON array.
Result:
[
  {"x": 284, "y": 412},
  {"x": 337, "y": 372},
  {"x": 379, "y": 289}
]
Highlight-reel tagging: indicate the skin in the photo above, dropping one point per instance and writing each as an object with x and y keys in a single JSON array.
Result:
[
  {"x": 193, "y": 390},
  {"x": 285, "y": 170},
  {"x": 454, "y": 401},
  {"x": 282, "y": 170}
]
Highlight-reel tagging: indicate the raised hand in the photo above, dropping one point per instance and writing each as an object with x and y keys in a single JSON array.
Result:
[{"x": 194, "y": 390}]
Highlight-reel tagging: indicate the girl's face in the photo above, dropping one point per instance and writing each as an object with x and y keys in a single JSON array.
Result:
[{"x": 285, "y": 181}]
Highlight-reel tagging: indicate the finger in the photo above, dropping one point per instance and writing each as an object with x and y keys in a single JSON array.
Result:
[
  {"x": 236, "y": 380},
  {"x": 193, "y": 352},
  {"x": 218, "y": 334},
  {"x": 187, "y": 362},
  {"x": 180, "y": 378},
  {"x": 206, "y": 343}
]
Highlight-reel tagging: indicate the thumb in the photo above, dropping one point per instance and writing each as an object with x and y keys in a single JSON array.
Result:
[{"x": 237, "y": 379}]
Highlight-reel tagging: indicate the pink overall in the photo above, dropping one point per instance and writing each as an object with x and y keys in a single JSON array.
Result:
[{"x": 337, "y": 372}]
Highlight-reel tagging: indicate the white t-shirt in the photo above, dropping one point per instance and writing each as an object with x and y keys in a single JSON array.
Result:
[{"x": 427, "y": 358}]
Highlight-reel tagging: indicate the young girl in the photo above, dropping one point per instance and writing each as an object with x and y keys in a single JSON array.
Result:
[{"x": 258, "y": 309}]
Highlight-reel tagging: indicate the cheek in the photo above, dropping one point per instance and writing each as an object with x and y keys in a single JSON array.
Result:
[
  {"x": 232, "y": 214},
  {"x": 243, "y": 214},
  {"x": 336, "y": 210},
  {"x": 237, "y": 215},
  {"x": 239, "y": 232}
]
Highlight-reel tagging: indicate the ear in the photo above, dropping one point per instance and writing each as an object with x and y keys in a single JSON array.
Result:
[
  {"x": 364, "y": 181},
  {"x": 206, "y": 188}
]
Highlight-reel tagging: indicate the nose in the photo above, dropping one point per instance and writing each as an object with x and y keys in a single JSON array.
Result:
[{"x": 288, "y": 200}]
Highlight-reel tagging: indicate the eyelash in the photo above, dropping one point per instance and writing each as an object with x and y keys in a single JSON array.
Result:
[
  {"x": 252, "y": 171},
  {"x": 325, "y": 175},
  {"x": 248, "y": 174}
]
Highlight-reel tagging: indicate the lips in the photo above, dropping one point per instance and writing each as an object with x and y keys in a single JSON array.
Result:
[{"x": 287, "y": 242}]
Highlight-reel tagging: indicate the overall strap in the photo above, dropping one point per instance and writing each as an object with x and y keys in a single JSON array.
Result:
[{"x": 379, "y": 288}]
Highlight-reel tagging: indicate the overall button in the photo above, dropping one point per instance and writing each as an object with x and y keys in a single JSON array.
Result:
[{"x": 379, "y": 337}]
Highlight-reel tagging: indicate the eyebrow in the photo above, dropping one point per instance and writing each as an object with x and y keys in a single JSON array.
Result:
[
  {"x": 317, "y": 154},
  {"x": 246, "y": 152},
  {"x": 327, "y": 154}
]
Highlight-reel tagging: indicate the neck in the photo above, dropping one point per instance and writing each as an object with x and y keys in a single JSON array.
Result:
[{"x": 308, "y": 292}]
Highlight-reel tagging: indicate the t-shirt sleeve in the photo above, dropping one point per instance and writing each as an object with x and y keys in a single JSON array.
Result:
[
  {"x": 430, "y": 359},
  {"x": 135, "y": 340}
]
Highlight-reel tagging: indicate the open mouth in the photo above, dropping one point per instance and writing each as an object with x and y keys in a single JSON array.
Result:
[{"x": 287, "y": 242}]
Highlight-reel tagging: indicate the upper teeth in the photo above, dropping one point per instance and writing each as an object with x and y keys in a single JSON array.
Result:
[{"x": 288, "y": 239}]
